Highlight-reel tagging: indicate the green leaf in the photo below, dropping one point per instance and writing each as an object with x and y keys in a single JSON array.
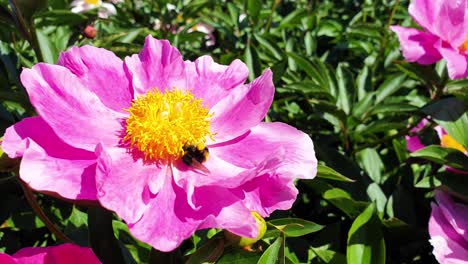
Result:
[
  {"x": 344, "y": 202},
  {"x": 270, "y": 46},
  {"x": 363, "y": 105},
  {"x": 370, "y": 161},
  {"x": 458, "y": 88},
  {"x": 292, "y": 19},
  {"x": 389, "y": 86},
  {"x": 365, "y": 239},
  {"x": 5, "y": 15},
  {"x": 310, "y": 88},
  {"x": 445, "y": 156},
  {"x": 377, "y": 196},
  {"x": 329, "y": 28},
  {"x": 210, "y": 252},
  {"x": 364, "y": 82},
  {"x": 328, "y": 256},
  {"x": 331, "y": 174},
  {"x": 423, "y": 73},
  {"x": 234, "y": 14},
  {"x": 139, "y": 250},
  {"x": 274, "y": 253},
  {"x": 253, "y": 9},
  {"x": 295, "y": 227},
  {"x": 59, "y": 18},
  {"x": 234, "y": 255},
  {"x": 47, "y": 46},
  {"x": 393, "y": 108},
  {"x": 101, "y": 236},
  {"x": 309, "y": 69},
  {"x": 252, "y": 61},
  {"x": 452, "y": 115},
  {"x": 401, "y": 205},
  {"x": 346, "y": 89}
]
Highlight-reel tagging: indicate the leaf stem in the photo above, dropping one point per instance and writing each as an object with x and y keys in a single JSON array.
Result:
[
  {"x": 274, "y": 4},
  {"x": 29, "y": 33},
  {"x": 40, "y": 213}
]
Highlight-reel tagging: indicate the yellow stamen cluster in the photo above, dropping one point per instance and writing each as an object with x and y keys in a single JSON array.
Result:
[
  {"x": 91, "y": 2},
  {"x": 449, "y": 142},
  {"x": 162, "y": 123},
  {"x": 464, "y": 47}
]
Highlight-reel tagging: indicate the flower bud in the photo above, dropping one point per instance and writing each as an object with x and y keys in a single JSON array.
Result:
[
  {"x": 247, "y": 241},
  {"x": 6, "y": 164},
  {"x": 89, "y": 32}
]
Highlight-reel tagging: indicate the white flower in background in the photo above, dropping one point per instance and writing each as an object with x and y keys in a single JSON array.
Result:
[
  {"x": 208, "y": 30},
  {"x": 104, "y": 9}
]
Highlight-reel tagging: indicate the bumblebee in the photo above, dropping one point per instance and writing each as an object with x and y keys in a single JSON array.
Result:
[{"x": 195, "y": 155}]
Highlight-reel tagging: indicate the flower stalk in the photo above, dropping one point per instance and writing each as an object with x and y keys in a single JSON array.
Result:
[{"x": 40, "y": 213}]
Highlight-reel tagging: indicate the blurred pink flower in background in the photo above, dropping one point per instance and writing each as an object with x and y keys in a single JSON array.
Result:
[
  {"x": 208, "y": 30},
  {"x": 135, "y": 135},
  {"x": 104, "y": 9},
  {"x": 61, "y": 254},
  {"x": 413, "y": 142},
  {"x": 448, "y": 228},
  {"x": 444, "y": 35}
]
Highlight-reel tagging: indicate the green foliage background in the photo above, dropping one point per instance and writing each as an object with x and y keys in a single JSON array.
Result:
[{"x": 339, "y": 77}]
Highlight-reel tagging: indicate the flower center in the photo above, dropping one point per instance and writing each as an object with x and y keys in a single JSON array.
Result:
[
  {"x": 449, "y": 142},
  {"x": 464, "y": 47},
  {"x": 91, "y": 2},
  {"x": 160, "y": 124}
]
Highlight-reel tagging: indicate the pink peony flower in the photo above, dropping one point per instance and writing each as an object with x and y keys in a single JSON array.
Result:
[
  {"x": 448, "y": 228},
  {"x": 65, "y": 253},
  {"x": 444, "y": 35},
  {"x": 135, "y": 136},
  {"x": 413, "y": 143}
]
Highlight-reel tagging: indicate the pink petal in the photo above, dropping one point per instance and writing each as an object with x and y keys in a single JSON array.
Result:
[
  {"x": 265, "y": 140},
  {"x": 212, "y": 81},
  {"x": 221, "y": 173},
  {"x": 440, "y": 131},
  {"x": 101, "y": 72},
  {"x": 266, "y": 148},
  {"x": 446, "y": 19},
  {"x": 65, "y": 253},
  {"x": 157, "y": 66},
  {"x": 5, "y": 259},
  {"x": 243, "y": 108},
  {"x": 417, "y": 46},
  {"x": 220, "y": 208},
  {"x": 48, "y": 164},
  {"x": 273, "y": 149},
  {"x": 457, "y": 63},
  {"x": 449, "y": 247},
  {"x": 75, "y": 113},
  {"x": 165, "y": 225},
  {"x": 268, "y": 193},
  {"x": 413, "y": 143},
  {"x": 456, "y": 213},
  {"x": 125, "y": 184},
  {"x": 169, "y": 220}
]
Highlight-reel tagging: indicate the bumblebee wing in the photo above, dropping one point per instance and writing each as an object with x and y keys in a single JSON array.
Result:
[{"x": 200, "y": 167}]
